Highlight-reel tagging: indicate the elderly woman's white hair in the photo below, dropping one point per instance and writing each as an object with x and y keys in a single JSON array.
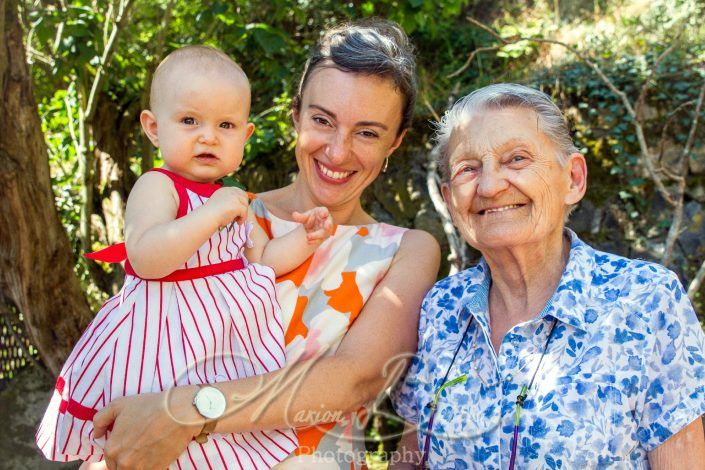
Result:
[{"x": 500, "y": 96}]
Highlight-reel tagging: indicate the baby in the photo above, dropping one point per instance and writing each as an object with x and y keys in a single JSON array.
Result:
[{"x": 198, "y": 305}]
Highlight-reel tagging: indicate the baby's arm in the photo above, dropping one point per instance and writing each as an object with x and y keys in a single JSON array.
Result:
[
  {"x": 157, "y": 242},
  {"x": 285, "y": 253}
]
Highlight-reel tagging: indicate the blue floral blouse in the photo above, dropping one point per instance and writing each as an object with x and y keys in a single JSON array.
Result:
[{"x": 623, "y": 372}]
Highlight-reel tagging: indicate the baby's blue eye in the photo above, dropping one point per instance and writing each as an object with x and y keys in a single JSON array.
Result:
[
  {"x": 188, "y": 121},
  {"x": 227, "y": 125}
]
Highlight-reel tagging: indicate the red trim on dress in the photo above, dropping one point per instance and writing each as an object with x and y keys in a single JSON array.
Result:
[
  {"x": 202, "y": 189},
  {"x": 73, "y": 407},
  {"x": 117, "y": 253}
]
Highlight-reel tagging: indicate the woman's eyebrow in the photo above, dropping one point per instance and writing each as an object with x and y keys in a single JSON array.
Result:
[
  {"x": 321, "y": 108},
  {"x": 463, "y": 157},
  {"x": 512, "y": 144},
  {"x": 359, "y": 123},
  {"x": 373, "y": 124}
]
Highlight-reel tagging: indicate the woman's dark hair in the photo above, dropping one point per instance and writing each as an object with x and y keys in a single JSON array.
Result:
[{"x": 370, "y": 47}]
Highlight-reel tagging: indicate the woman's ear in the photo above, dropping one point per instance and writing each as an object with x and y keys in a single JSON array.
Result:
[
  {"x": 445, "y": 191},
  {"x": 295, "y": 115},
  {"x": 578, "y": 178},
  {"x": 397, "y": 142},
  {"x": 149, "y": 126}
]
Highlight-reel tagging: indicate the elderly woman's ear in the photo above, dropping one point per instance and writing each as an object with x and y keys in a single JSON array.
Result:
[
  {"x": 445, "y": 192},
  {"x": 578, "y": 178}
]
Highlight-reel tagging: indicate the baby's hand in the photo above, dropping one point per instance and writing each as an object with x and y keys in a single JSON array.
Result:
[
  {"x": 317, "y": 222},
  {"x": 229, "y": 204}
]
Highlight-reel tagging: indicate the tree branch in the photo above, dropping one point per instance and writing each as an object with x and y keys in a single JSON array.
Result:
[
  {"x": 471, "y": 57},
  {"x": 645, "y": 87},
  {"x": 669, "y": 120},
  {"x": 108, "y": 21},
  {"x": 147, "y": 161},
  {"x": 458, "y": 256},
  {"x": 430, "y": 108},
  {"x": 59, "y": 29},
  {"x": 69, "y": 114},
  {"x": 697, "y": 282},
  {"x": 674, "y": 231},
  {"x": 107, "y": 55},
  {"x": 492, "y": 32},
  {"x": 693, "y": 129}
]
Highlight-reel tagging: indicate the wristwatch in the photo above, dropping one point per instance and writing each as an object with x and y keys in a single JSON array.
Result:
[{"x": 210, "y": 403}]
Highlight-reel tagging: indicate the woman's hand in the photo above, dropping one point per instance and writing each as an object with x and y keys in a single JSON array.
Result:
[
  {"x": 317, "y": 222},
  {"x": 149, "y": 430}
]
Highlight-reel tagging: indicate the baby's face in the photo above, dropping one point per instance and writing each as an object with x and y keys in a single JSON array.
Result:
[{"x": 201, "y": 124}]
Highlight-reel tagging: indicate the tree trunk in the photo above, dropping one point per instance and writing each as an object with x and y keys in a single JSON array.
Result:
[{"x": 36, "y": 263}]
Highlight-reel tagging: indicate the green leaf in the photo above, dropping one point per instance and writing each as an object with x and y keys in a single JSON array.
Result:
[
  {"x": 225, "y": 19},
  {"x": 229, "y": 181},
  {"x": 268, "y": 38}
]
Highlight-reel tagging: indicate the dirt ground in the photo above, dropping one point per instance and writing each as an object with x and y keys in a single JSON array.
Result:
[{"x": 22, "y": 404}]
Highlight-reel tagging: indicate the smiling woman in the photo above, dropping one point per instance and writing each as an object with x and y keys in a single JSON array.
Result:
[
  {"x": 345, "y": 137},
  {"x": 505, "y": 181},
  {"x": 548, "y": 353}
]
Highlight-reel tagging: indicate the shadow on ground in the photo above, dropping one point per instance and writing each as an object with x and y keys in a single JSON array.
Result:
[{"x": 22, "y": 404}]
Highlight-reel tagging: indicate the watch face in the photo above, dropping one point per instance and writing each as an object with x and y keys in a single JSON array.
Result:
[{"x": 210, "y": 402}]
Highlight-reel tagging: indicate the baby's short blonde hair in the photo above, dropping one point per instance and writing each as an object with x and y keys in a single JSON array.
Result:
[{"x": 199, "y": 58}]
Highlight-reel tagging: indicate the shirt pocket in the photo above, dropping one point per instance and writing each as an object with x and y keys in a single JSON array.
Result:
[{"x": 587, "y": 423}]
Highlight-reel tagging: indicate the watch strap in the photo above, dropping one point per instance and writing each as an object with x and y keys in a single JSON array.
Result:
[{"x": 208, "y": 428}]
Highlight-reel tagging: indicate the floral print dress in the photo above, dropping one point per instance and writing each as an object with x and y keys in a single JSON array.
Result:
[{"x": 319, "y": 301}]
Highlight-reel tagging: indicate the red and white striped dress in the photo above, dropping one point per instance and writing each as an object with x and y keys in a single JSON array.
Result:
[{"x": 205, "y": 323}]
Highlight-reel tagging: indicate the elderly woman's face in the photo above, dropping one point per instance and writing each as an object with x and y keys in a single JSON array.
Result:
[{"x": 506, "y": 186}]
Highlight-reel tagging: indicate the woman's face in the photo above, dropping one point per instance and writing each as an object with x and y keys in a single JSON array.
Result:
[
  {"x": 347, "y": 126},
  {"x": 506, "y": 186}
]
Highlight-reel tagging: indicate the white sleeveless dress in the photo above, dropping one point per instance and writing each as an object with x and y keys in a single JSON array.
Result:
[{"x": 216, "y": 319}]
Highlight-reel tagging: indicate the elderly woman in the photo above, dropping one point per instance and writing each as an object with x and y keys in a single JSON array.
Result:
[
  {"x": 349, "y": 309},
  {"x": 548, "y": 353}
]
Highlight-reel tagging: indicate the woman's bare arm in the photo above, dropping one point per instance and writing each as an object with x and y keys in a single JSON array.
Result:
[
  {"x": 407, "y": 456},
  {"x": 148, "y": 432},
  {"x": 685, "y": 449}
]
